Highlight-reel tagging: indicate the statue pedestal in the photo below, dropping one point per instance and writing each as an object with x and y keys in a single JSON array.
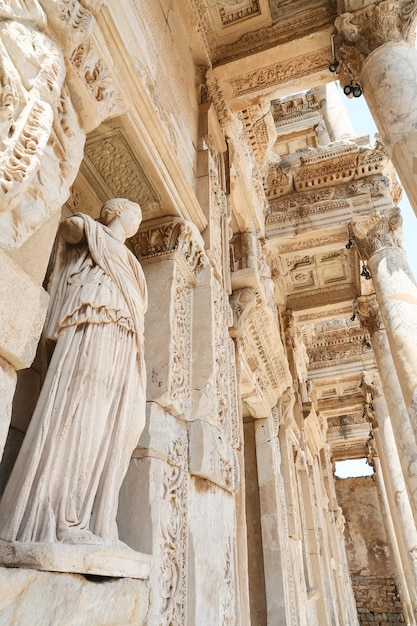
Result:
[{"x": 99, "y": 560}]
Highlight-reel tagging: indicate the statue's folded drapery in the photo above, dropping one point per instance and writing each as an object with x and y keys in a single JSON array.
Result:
[{"x": 90, "y": 413}]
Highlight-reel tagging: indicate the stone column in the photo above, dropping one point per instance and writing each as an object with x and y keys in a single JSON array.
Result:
[
  {"x": 370, "y": 316},
  {"x": 399, "y": 515},
  {"x": 337, "y": 121},
  {"x": 377, "y": 50},
  {"x": 378, "y": 240}
]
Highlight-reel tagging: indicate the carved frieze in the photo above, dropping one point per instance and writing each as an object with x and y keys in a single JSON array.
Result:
[
  {"x": 336, "y": 342},
  {"x": 232, "y": 12},
  {"x": 281, "y": 72},
  {"x": 376, "y": 232},
  {"x": 264, "y": 367},
  {"x": 280, "y": 32},
  {"x": 344, "y": 422},
  {"x": 294, "y": 106}
]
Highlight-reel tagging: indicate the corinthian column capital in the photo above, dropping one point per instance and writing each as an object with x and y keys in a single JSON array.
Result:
[
  {"x": 376, "y": 232},
  {"x": 369, "y": 314},
  {"x": 377, "y": 24}
]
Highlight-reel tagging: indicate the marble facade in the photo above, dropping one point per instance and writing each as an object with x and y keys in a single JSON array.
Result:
[{"x": 281, "y": 326}]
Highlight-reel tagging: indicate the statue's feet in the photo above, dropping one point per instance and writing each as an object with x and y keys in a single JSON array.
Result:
[{"x": 77, "y": 536}]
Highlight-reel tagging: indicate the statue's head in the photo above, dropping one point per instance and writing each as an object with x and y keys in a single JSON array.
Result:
[{"x": 117, "y": 206}]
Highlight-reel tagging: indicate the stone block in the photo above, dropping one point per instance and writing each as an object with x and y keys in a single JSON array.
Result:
[
  {"x": 22, "y": 313},
  {"x": 32, "y": 598}
]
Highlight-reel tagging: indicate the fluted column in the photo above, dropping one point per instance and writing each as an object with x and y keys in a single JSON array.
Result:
[
  {"x": 376, "y": 48},
  {"x": 378, "y": 238}
]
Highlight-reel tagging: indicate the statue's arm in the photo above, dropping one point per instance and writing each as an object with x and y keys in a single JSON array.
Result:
[{"x": 72, "y": 229}]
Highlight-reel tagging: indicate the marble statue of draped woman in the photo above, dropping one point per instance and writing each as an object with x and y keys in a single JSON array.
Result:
[{"x": 91, "y": 410}]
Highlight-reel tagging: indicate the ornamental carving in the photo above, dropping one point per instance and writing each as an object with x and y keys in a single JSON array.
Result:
[
  {"x": 376, "y": 232},
  {"x": 261, "y": 129},
  {"x": 369, "y": 313},
  {"x": 294, "y": 106},
  {"x": 232, "y": 11},
  {"x": 282, "y": 31},
  {"x": 226, "y": 378},
  {"x": 171, "y": 237},
  {"x": 173, "y": 568},
  {"x": 378, "y": 24},
  {"x": 278, "y": 73},
  {"x": 116, "y": 171},
  {"x": 229, "y": 606},
  {"x": 286, "y": 405},
  {"x": 90, "y": 78},
  {"x": 263, "y": 362}
]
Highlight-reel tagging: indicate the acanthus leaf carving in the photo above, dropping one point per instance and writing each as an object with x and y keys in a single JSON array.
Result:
[
  {"x": 376, "y": 232},
  {"x": 171, "y": 236}
]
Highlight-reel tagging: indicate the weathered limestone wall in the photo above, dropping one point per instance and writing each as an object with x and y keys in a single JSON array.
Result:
[{"x": 370, "y": 562}]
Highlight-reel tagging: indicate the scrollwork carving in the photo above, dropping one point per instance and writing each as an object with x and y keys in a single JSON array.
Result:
[{"x": 173, "y": 579}]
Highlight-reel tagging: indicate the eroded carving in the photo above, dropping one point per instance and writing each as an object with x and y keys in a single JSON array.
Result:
[
  {"x": 376, "y": 232},
  {"x": 173, "y": 579}
]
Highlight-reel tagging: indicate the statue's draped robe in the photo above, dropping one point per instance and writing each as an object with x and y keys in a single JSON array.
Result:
[{"x": 91, "y": 410}]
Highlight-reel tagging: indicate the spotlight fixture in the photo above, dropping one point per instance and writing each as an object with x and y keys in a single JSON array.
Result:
[
  {"x": 352, "y": 319},
  {"x": 349, "y": 244},
  {"x": 333, "y": 66},
  {"x": 347, "y": 90},
  {"x": 366, "y": 273},
  {"x": 352, "y": 90}
]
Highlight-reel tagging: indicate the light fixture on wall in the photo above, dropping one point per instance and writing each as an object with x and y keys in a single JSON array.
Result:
[{"x": 366, "y": 273}]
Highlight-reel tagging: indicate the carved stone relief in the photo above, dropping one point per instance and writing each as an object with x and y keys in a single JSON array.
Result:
[
  {"x": 278, "y": 73},
  {"x": 174, "y": 528},
  {"x": 262, "y": 356},
  {"x": 378, "y": 231},
  {"x": 113, "y": 169},
  {"x": 39, "y": 130}
]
